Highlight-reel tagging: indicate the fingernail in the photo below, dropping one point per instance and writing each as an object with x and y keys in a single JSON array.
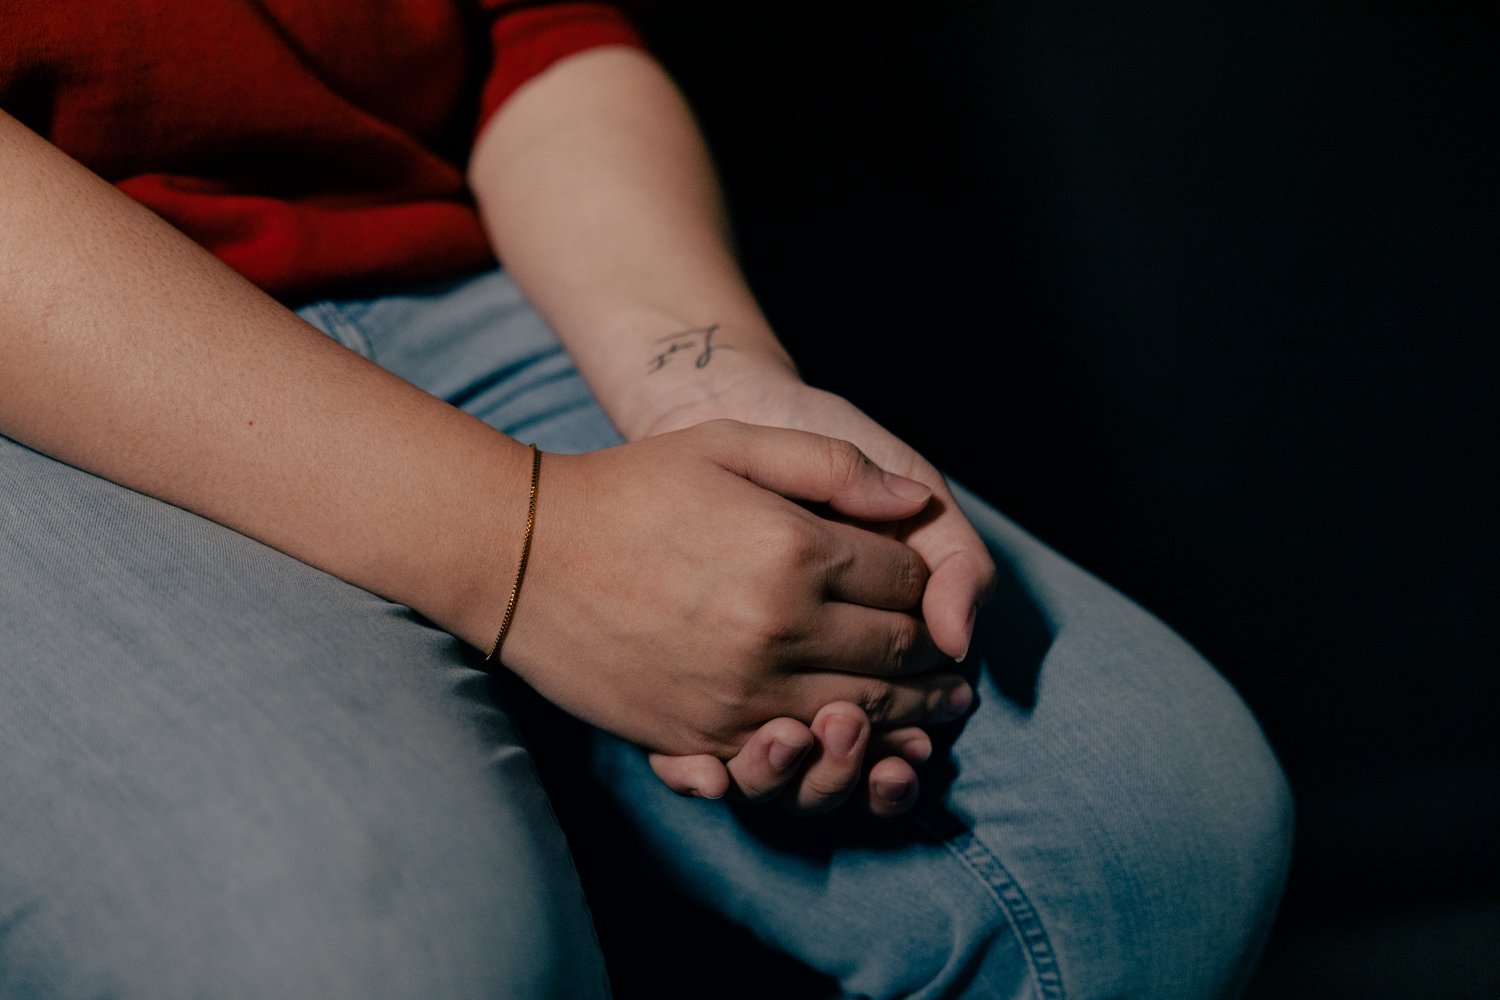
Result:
[
  {"x": 841, "y": 734},
  {"x": 906, "y": 489},
  {"x": 699, "y": 793},
  {"x": 784, "y": 755},
  {"x": 892, "y": 789}
]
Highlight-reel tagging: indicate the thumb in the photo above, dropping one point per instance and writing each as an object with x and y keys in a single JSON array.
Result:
[
  {"x": 961, "y": 574},
  {"x": 801, "y": 465},
  {"x": 702, "y": 775}
]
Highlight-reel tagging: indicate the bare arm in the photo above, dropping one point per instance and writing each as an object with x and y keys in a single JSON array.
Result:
[
  {"x": 133, "y": 353},
  {"x": 600, "y": 198},
  {"x": 599, "y": 194}
]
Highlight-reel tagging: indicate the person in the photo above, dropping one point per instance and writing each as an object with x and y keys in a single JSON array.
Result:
[{"x": 336, "y": 336}]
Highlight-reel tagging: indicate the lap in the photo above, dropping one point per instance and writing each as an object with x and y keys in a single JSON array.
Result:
[
  {"x": 203, "y": 740},
  {"x": 224, "y": 773},
  {"x": 1109, "y": 821}
]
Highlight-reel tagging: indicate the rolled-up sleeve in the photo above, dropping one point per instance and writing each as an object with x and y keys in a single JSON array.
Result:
[{"x": 526, "y": 37}]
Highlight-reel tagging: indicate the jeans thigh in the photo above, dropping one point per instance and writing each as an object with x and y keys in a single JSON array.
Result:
[
  {"x": 478, "y": 344},
  {"x": 1108, "y": 821},
  {"x": 225, "y": 773}
]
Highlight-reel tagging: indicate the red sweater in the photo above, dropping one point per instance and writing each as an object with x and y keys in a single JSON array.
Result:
[{"x": 317, "y": 148}]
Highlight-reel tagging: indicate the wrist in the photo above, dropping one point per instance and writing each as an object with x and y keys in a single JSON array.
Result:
[
  {"x": 696, "y": 373},
  {"x": 476, "y": 545}
]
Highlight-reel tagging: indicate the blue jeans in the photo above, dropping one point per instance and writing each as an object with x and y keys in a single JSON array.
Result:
[{"x": 226, "y": 774}]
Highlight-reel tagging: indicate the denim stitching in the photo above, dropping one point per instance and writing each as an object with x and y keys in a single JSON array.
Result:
[{"x": 1007, "y": 892}]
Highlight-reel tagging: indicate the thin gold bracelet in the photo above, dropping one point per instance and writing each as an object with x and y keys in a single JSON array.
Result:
[{"x": 515, "y": 588}]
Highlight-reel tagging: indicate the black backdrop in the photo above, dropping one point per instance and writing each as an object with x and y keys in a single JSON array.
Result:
[{"x": 1205, "y": 296}]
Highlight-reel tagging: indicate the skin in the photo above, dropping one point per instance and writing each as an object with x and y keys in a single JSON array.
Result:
[
  {"x": 598, "y": 162},
  {"x": 134, "y": 354}
]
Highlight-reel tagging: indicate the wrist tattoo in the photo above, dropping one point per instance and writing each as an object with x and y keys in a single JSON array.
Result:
[{"x": 700, "y": 339}]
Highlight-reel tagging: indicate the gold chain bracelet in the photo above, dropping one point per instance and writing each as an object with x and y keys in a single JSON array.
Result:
[{"x": 515, "y": 588}]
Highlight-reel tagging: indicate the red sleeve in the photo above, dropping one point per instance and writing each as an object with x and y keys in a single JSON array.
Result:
[{"x": 527, "y": 37}]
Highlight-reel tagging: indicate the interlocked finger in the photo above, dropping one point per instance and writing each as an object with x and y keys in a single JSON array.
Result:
[
  {"x": 771, "y": 760},
  {"x": 871, "y": 569},
  {"x": 852, "y": 638},
  {"x": 925, "y": 699},
  {"x": 834, "y": 764}
]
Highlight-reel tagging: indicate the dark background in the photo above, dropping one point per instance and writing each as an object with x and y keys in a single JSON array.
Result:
[{"x": 1204, "y": 295}]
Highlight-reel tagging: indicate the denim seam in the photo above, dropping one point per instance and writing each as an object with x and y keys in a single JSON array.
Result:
[
  {"x": 976, "y": 856},
  {"x": 344, "y": 329}
]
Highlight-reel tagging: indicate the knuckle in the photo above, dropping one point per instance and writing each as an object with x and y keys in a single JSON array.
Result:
[
  {"x": 911, "y": 577},
  {"x": 878, "y": 701},
  {"x": 789, "y": 542},
  {"x": 900, "y": 641},
  {"x": 766, "y": 624},
  {"x": 846, "y": 463}
]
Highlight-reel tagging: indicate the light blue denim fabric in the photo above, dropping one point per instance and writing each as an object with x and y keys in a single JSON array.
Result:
[{"x": 224, "y": 774}]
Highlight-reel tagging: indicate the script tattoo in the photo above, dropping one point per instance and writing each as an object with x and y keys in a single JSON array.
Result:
[{"x": 700, "y": 339}]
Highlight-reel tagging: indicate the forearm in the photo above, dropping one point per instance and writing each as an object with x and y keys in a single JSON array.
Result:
[
  {"x": 132, "y": 353},
  {"x": 600, "y": 198}
]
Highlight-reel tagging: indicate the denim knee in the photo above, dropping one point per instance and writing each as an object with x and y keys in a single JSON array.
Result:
[
  {"x": 1238, "y": 821},
  {"x": 1134, "y": 821},
  {"x": 1149, "y": 865},
  {"x": 1222, "y": 843},
  {"x": 1155, "y": 866}
]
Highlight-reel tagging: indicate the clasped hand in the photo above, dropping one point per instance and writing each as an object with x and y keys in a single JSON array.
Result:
[{"x": 710, "y": 594}]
